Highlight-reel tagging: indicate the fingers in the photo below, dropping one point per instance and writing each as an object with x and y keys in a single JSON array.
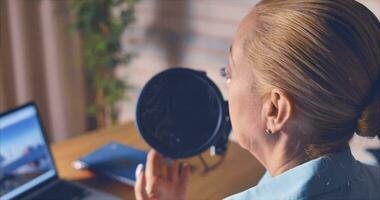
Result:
[
  {"x": 184, "y": 176},
  {"x": 140, "y": 191},
  {"x": 153, "y": 164},
  {"x": 163, "y": 167},
  {"x": 157, "y": 167},
  {"x": 174, "y": 171}
]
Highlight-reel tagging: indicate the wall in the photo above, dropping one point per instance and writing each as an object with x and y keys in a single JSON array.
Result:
[{"x": 41, "y": 62}]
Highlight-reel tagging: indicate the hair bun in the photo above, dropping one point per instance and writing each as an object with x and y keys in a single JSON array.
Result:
[{"x": 369, "y": 121}]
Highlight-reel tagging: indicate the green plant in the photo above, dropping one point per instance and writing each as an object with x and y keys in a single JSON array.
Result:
[{"x": 101, "y": 24}]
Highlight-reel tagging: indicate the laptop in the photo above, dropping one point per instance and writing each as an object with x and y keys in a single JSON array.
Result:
[{"x": 27, "y": 169}]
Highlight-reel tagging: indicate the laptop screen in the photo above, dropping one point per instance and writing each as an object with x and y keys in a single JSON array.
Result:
[{"x": 25, "y": 160}]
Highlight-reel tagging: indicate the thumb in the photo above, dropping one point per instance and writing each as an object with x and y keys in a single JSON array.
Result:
[{"x": 140, "y": 191}]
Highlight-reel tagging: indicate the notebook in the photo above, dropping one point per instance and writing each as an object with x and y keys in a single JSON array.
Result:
[{"x": 115, "y": 160}]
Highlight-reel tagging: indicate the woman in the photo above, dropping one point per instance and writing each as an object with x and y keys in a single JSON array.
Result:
[{"x": 303, "y": 77}]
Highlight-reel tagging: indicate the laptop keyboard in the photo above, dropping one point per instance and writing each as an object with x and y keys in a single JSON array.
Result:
[{"x": 64, "y": 190}]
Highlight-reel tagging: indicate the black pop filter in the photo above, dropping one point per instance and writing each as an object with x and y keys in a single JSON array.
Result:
[{"x": 181, "y": 113}]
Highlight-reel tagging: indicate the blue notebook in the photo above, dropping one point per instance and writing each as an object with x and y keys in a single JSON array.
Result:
[{"x": 117, "y": 161}]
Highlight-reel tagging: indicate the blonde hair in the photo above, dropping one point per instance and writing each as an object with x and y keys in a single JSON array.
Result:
[{"x": 326, "y": 56}]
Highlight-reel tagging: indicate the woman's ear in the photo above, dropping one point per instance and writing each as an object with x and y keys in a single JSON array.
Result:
[{"x": 277, "y": 110}]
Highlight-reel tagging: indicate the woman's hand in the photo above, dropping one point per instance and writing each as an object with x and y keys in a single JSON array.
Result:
[{"x": 160, "y": 181}]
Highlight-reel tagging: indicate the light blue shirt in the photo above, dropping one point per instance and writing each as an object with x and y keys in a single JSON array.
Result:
[{"x": 336, "y": 176}]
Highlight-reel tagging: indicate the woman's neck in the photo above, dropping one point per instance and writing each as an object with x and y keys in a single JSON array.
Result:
[
  {"x": 282, "y": 164},
  {"x": 284, "y": 154}
]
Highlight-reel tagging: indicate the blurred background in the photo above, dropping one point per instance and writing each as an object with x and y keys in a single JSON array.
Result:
[{"x": 84, "y": 62}]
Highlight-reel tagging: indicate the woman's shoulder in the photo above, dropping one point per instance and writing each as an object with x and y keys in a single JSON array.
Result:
[
  {"x": 364, "y": 183},
  {"x": 368, "y": 177},
  {"x": 329, "y": 177}
]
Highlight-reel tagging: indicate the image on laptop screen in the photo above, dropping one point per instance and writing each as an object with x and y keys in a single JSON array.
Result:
[{"x": 25, "y": 160}]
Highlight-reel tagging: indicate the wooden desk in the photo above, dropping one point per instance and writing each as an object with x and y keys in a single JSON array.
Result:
[{"x": 239, "y": 171}]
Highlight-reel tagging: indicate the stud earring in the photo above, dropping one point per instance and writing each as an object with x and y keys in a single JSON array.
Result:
[{"x": 268, "y": 131}]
